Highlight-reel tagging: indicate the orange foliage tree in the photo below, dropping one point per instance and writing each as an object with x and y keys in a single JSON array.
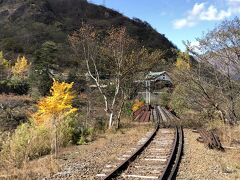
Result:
[
  {"x": 137, "y": 105},
  {"x": 52, "y": 109}
]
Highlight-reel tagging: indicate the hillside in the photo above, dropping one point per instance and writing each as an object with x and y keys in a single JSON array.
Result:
[{"x": 26, "y": 25}]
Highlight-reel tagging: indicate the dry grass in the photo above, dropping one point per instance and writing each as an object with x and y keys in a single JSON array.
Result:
[
  {"x": 30, "y": 142},
  {"x": 199, "y": 162},
  {"x": 32, "y": 170},
  {"x": 14, "y": 110},
  {"x": 229, "y": 135},
  {"x": 230, "y": 162},
  {"x": 105, "y": 148},
  {"x": 15, "y": 97},
  {"x": 14, "y": 101}
]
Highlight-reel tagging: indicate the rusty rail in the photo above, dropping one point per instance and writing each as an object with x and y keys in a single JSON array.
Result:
[{"x": 142, "y": 114}]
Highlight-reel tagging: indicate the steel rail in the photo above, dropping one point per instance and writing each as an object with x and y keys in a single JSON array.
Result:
[
  {"x": 173, "y": 162},
  {"x": 123, "y": 166},
  {"x": 170, "y": 169}
]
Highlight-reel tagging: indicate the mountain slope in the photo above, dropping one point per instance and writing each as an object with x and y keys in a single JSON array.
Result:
[{"x": 26, "y": 25}]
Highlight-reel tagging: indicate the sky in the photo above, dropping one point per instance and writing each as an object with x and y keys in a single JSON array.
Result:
[{"x": 179, "y": 20}]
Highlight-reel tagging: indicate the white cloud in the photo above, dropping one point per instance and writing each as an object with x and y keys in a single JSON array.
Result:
[
  {"x": 197, "y": 8},
  {"x": 183, "y": 23},
  {"x": 212, "y": 14},
  {"x": 234, "y": 6},
  {"x": 202, "y": 12}
]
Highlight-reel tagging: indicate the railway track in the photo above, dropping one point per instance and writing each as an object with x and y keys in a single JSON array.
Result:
[{"x": 157, "y": 156}]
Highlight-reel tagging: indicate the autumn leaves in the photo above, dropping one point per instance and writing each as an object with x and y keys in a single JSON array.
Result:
[
  {"x": 57, "y": 105},
  {"x": 19, "y": 69}
]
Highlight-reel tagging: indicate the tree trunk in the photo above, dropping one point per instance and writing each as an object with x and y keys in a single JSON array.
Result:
[
  {"x": 233, "y": 115},
  {"x": 113, "y": 104},
  {"x": 55, "y": 141},
  {"x": 120, "y": 113},
  {"x": 110, "y": 120},
  {"x": 54, "y": 146}
]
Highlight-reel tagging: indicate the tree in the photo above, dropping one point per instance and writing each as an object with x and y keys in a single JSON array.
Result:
[
  {"x": 43, "y": 61},
  {"x": 4, "y": 65},
  {"x": 54, "y": 108},
  {"x": 196, "y": 89},
  {"x": 123, "y": 58},
  {"x": 3, "y": 61},
  {"x": 183, "y": 61},
  {"x": 21, "y": 67},
  {"x": 220, "y": 48}
]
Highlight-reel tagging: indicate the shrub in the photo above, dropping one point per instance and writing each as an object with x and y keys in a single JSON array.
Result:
[
  {"x": 40, "y": 143},
  {"x": 66, "y": 131},
  {"x": 165, "y": 98},
  {"x": 11, "y": 44},
  {"x": 127, "y": 108},
  {"x": 80, "y": 133},
  {"x": 87, "y": 135},
  {"x": 178, "y": 100},
  {"x": 30, "y": 142},
  {"x": 100, "y": 124},
  {"x": 82, "y": 140},
  {"x": 14, "y": 87},
  {"x": 25, "y": 143}
]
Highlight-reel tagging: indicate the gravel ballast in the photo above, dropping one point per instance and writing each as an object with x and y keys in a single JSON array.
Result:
[{"x": 85, "y": 161}]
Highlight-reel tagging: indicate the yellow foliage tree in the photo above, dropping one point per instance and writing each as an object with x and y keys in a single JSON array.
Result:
[
  {"x": 137, "y": 105},
  {"x": 3, "y": 61},
  {"x": 183, "y": 61},
  {"x": 58, "y": 104},
  {"x": 52, "y": 109},
  {"x": 21, "y": 67}
]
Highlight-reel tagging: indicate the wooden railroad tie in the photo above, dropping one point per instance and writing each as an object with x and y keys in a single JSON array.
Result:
[
  {"x": 210, "y": 139},
  {"x": 142, "y": 114}
]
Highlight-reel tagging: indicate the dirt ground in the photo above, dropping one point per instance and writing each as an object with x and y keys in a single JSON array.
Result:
[
  {"x": 199, "y": 162},
  {"x": 85, "y": 161}
]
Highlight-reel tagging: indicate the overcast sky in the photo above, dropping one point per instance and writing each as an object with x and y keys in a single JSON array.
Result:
[{"x": 178, "y": 19}]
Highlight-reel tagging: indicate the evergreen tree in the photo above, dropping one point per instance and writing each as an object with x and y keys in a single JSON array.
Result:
[{"x": 44, "y": 58}]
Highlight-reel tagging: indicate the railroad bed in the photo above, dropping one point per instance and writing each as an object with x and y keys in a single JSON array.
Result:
[
  {"x": 156, "y": 156},
  {"x": 151, "y": 163}
]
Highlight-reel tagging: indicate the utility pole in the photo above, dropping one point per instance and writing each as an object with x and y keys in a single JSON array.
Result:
[
  {"x": 104, "y": 2},
  {"x": 148, "y": 91}
]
